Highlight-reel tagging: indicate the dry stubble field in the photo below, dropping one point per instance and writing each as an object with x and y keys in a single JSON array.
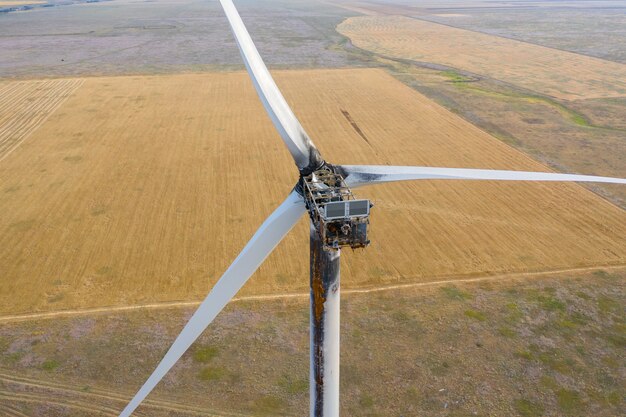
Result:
[
  {"x": 26, "y": 105},
  {"x": 143, "y": 189},
  {"x": 561, "y": 74}
]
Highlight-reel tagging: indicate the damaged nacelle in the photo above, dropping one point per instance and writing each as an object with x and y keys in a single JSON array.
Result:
[{"x": 338, "y": 217}]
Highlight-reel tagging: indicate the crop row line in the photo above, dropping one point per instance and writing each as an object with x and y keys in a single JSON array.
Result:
[
  {"x": 35, "y": 112},
  {"x": 55, "y": 90}
]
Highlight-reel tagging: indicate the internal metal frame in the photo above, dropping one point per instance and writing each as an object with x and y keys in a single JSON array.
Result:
[{"x": 324, "y": 190}]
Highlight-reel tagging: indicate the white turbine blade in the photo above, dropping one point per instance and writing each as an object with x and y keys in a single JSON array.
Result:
[
  {"x": 298, "y": 142},
  {"x": 358, "y": 175},
  {"x": 253, "y": 254}
]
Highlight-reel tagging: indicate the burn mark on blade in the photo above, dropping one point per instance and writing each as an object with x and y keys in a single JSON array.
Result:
[
  {"x": 366, "y": 177},
  {"x": 315, "y": 158},
  {"x": 356, "y": 177}
]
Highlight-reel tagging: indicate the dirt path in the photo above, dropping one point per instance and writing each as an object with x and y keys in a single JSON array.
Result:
[
  {"x": 86, "y": 400},
  {"x": 284, "y": 296}
]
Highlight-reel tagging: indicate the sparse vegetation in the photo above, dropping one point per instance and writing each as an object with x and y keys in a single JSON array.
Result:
[
  {"x": 570, "y": 402},
  {"x": 527, "y": 408},
  {"x": 535, "y": 369},
  {"x": 211, "y": 373},
  {"x": 204, "y": 354},
  {"x": 50, "y": 365},
  {"x": 293, "y": 385},
  {"x": 269, "y": 405},
  {"x": 366, "y": 401},
  {"x": 478, "y": 315},
  {"x": 455, "y": 293}
]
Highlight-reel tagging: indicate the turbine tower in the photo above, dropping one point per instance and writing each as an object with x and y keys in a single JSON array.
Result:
[{"x": 337, "y": 220}]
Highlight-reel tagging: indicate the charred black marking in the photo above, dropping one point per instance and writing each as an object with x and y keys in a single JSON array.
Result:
[
  {"x": 366, "y": 177},
  {"x": 355, "y": 126},
  {"x": 315, "y": 160},
  {"x": 324, "y": 279}
]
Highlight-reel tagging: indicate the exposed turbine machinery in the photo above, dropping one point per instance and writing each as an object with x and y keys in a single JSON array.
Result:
[{"x": 337, "y": 220}]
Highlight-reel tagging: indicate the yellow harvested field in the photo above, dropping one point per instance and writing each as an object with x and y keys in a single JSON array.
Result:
[
  {"x": 143, "y": 189},
  {"x": 25, "y": 105},
  {"x": 19, "y": 3},
  {"x": 560, "y": 74}
]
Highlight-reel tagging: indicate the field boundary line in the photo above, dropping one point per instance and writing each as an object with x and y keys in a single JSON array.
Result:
[{"x": 286, "y": 296}]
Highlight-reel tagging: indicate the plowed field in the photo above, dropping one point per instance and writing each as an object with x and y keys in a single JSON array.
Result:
[
  {"x": 560, "y": 74},
  {"x": 143, "y": 189}
]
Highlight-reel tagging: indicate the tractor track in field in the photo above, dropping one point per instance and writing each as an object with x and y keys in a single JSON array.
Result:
[
  {"x": 286, "y": 296},
  {"x": 86, "y": 400},
  {"x": 26, "y": 105}
]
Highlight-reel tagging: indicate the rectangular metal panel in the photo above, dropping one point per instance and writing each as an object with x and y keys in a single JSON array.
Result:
[
  {"x": 335, "y": 210},
  {"x": 358, "y": 208}
]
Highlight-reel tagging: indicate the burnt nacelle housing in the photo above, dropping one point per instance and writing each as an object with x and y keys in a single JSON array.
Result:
[{"x": 338, "y": 217}]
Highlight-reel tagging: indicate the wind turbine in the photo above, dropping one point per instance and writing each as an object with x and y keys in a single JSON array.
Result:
[{"x": 337, "y": 220}]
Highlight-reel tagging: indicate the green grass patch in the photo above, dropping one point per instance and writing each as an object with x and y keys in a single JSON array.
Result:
[
  {"x": 606, "y": 399},
  {"x": 607, "y": 304},
  {"x": 569, "y": 401},
  {"x": 551, "y": 303},
  {"x": 513, "y": 313},
  {"x": 583, "y": 295},
  {"x": 440, "y": 369},
  {"x": 455, "y": 77},
  {"x": 507, "y": 332},
  {"x": 14, "y": 357},
  {"x": 555, "y": 361},
  {"x": 617, "y": 339},
  {"x": 212, "y": 373},
  {"x": 566, "y": 325},
  {"x": 269, "y": 405},
  {"x": 204, "y": 354},
  {"x": 366, "y": 401},
  {"x": 549, "y": 382},
  {"x": 293, "y": 385},
  {"x": 579, "y": 318},
  {"x": 453, "y": 293},
  {"x": 524, "y": 354},
  {"x": 50, "y": 365},
  {"x": 605, "y": 275},
  {"x": 527, "y": 408},
  {"x": 475, "y": 314},
  {"x": 573, "y": 116},
  {"x": 4, "y": 344}
]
